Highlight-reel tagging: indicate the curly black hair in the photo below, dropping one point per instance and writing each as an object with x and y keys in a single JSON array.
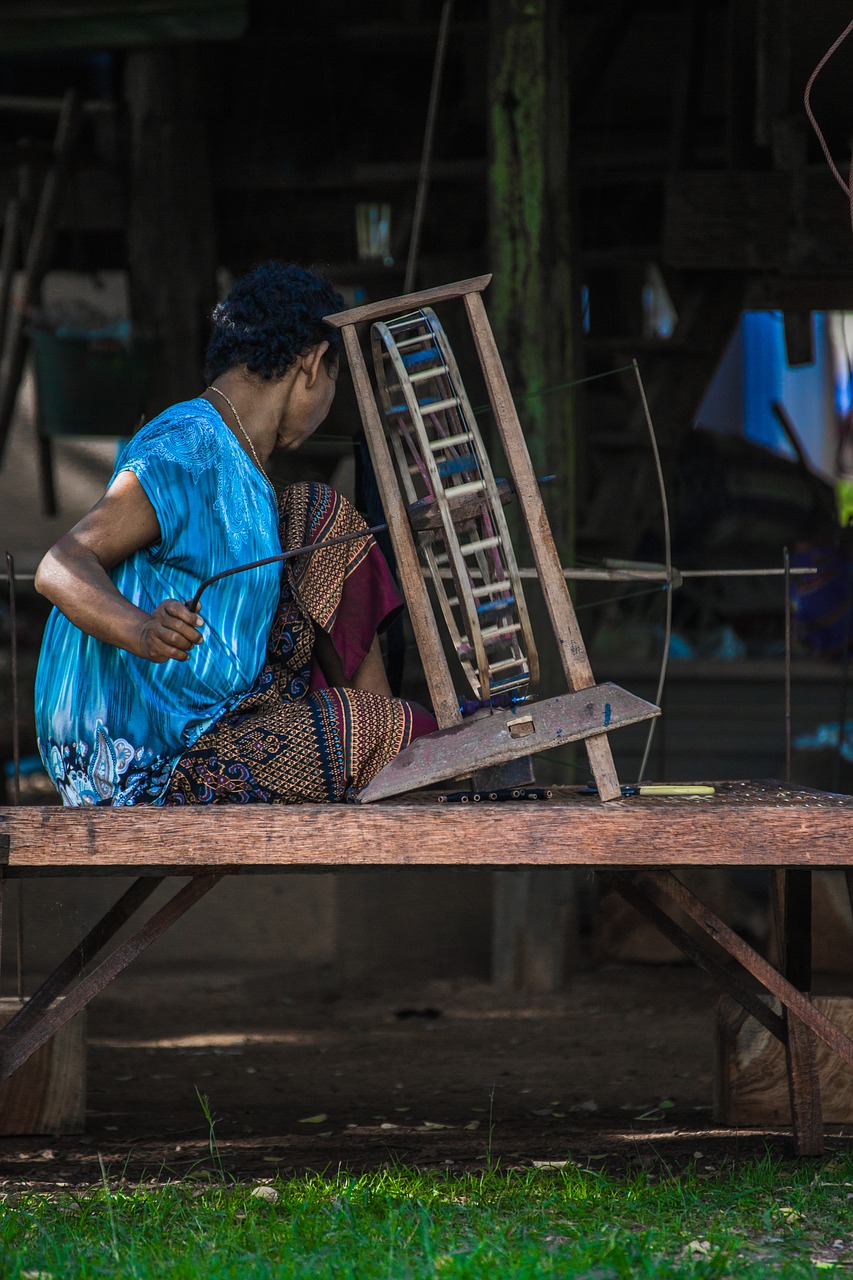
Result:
[{"x": 272, "y": 316}]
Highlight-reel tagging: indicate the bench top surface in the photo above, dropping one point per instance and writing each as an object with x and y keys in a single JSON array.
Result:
[{"x": 744, "y": 822}]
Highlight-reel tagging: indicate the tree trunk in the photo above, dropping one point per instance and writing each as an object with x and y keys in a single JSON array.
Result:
[{"x": 532, "y": 301}]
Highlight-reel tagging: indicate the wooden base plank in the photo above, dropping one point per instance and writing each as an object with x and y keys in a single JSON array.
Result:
[{"x": 505, "y": 735}]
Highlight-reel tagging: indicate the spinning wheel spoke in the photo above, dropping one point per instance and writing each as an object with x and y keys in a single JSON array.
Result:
[{"x": 461, "y": 530}]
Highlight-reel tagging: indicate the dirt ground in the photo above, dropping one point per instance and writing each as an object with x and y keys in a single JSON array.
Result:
[{"x": 617, "y": 1074}]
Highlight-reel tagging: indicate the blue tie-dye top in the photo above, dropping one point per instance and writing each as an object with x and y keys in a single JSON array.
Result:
[{"x": 111, "y": 726}]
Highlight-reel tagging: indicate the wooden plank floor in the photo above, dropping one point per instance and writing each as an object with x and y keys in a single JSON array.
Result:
[{"x": 763, "y": 823}]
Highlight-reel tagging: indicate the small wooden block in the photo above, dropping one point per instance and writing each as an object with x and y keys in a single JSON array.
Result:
[
  {"x": 48, "y": 1093},
  {"x": 750, "y": 1080}
]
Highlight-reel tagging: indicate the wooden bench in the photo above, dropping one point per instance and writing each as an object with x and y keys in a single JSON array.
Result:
[{"x": 634, "y": 843}]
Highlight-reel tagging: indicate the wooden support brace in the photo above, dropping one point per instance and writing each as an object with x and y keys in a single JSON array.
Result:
[
  {"x": 75, "y": 962},
  {"x": 24, "y": 1045},
  {"x": 663, "y": 884},
  {"x": 727, "y": 981}
]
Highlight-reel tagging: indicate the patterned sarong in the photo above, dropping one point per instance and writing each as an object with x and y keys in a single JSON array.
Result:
[{"x": 292, "y": 738}]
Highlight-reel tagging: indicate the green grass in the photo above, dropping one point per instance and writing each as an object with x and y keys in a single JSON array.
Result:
[{"x": 757, "y": 1220}]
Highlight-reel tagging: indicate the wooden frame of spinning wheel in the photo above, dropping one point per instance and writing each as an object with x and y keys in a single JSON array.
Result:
[
  {"x": 495, "y": 564},
  {"x": 567, "y": 634}
]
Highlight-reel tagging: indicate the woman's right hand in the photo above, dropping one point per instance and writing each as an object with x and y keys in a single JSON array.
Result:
[
  {"x": 74, "y": 576},
  {"x": 170, "y": 631}
]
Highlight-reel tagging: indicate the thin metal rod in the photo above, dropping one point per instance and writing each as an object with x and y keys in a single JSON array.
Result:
[
  {"x": 426, "y": 153},
  {"x": 285, "y": 555},
  {"x": 667, "y": 544},
  {"x": 307, "y": 550},
  {"x": 13, "y": 643},
  {"x": 660, "y": 575},
  {"x": 787, "y": 562}
]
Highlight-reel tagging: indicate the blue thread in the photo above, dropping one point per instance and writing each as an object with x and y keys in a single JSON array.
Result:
[
  {"x": 454, "y": 465},
  {"x": 496, "y": 604},
  {"x": 418, "y": 357},
  {"x": 607, "y": 714}
]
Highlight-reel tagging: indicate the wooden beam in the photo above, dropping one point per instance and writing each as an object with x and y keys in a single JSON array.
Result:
[
  {"x": 742, "y": 824},
  {"x": 407, "y": 302}
]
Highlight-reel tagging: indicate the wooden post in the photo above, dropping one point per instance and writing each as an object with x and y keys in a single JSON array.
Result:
[
  {"x": 171, "y": 247},
  {"x": 792, "y": 903},
  {"x": 37, "y": 259},
  {"x": 533, "y": 930},
  {"x": 533, "y": 301}
]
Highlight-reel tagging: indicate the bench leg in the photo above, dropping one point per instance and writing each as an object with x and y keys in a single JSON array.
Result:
[
  {"x": 531, "y": 930},
  {"x": 16, "y": 1048},
  {"x": 802, "y": 1022},
  {"x": 792, "y": 907}
]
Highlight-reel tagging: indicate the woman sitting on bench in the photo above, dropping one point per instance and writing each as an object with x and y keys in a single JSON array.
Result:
[{"x": 279, "y": 693}]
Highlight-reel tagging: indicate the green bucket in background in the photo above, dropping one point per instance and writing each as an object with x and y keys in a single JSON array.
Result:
[{"x": 88, "y": 385}]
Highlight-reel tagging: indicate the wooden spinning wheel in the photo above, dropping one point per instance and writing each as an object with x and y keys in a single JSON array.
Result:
[
  {"x": 455, "y": 504},
  {"x": 445, "y": 515}
]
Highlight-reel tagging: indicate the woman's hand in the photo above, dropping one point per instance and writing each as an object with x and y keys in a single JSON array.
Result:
[
  {"x": 74, "y": 576},
  {"x": 170, "y": 631}
]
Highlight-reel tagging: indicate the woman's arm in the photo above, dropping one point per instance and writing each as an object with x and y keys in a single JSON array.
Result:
[{"x": 73, "y": 576}]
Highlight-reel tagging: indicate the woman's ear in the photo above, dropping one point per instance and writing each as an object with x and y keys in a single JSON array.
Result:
[{"x": 312, "y": 361}]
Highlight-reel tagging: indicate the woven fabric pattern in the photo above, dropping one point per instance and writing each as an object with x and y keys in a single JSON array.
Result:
[{"x": 292, "y": 739}]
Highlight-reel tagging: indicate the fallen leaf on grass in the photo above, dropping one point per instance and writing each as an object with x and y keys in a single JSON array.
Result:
[
  {"x": 37, "y": 1275},
  {"x": 551, "y": 1164},
  {"x": 472, "y": 1124},
  {"x": 318, "y": 1119},
  {"x": 698, "y": 1248}
]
